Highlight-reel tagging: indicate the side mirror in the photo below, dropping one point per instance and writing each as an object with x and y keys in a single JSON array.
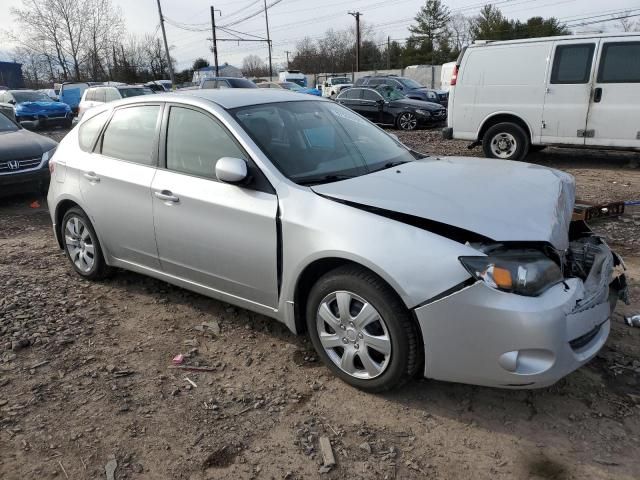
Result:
[{"x": 231, "y": 170}]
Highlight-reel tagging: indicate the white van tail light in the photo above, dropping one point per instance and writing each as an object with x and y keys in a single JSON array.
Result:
[{"x": 454, "y": 76}]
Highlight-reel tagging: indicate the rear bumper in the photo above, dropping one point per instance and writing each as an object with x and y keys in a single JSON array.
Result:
[{"x": 486, "y": 337}]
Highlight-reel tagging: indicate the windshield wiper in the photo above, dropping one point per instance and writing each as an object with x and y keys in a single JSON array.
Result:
[
  {"x": 334, "y": 177},
  {"x": 390, "y": 165}
]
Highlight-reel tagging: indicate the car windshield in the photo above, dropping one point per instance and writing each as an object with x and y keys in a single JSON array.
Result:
[
  {"x": 390, "y": 93},
  {"x": 314, "y": 142},
  {"x": 135, "y": 91},
  {"x": 30, "y": 97},
  {"x": 407, "y": 82},
  {"x": 291, "y": 86},
  {"x": 339, "y": 80},
  {"x": 6, "y": 125},
  {"x": 242, "y": 83}
]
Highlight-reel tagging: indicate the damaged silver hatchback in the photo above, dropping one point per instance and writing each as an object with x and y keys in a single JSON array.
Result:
[{"x": 396, "y": 264}]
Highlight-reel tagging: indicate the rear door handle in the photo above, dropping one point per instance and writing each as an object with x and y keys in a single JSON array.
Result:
[
  {"x": 597, "y": 95},
  {"x": 166, "y": 196},
  {"x": 92, "y": 177}
]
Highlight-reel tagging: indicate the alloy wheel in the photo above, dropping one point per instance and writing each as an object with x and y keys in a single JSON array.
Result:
[
  {"x": 80, "y": 244},
  {"x": 353, "y": 334},
  {"x": 408, "y": 121}
]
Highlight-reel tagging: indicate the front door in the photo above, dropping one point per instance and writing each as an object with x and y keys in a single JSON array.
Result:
[
  {"x": 568, "y": 92},
  {"x": 614, "y": 120},
  {"x": 215, "y": 234},
  {"x": 115, "y": 182}
]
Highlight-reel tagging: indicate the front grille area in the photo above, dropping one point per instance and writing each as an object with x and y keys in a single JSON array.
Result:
[
  {"x": 584, "y": 340},
  {"x": 10, "y": 166}
]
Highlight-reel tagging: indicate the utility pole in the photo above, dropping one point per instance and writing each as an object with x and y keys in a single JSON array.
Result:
[
  {"x": 166, "y": 46},
  {"x": 356, "y": 15},
  {"x": 388, "y": 53},
  {"x": 266, "y": 17},
  {"x": 287, "y": 52},
  {"x": 215, "y": 40}
]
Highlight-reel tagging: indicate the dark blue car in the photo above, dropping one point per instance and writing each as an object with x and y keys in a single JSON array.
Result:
[{"x": 36, "y": 109}]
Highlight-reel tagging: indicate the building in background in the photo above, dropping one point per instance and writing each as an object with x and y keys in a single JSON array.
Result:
[
  {"x": 10, "y": 74},
  {"x": 224, "y": 70}
]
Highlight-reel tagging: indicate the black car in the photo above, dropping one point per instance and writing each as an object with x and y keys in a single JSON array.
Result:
[
  {"x": 227, "y": 82},
  {"x": 409, "y": 87},
  {"x": 24, "y": 158},
  {"x": 387, "y": 106}
]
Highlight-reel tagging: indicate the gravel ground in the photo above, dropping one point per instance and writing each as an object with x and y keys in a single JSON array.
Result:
[{"x": 86, "y": 379}]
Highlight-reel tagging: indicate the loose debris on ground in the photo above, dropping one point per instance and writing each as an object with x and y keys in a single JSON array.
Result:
[{"x": 89, "y": 387}]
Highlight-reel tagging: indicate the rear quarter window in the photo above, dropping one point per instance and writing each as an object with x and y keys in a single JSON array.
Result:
[
  {"x": 505, "y": 65},
  {"x": 89, "y": 131},
  {"x": 620, "y": 63}
]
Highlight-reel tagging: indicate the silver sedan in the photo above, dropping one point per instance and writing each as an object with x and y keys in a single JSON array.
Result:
[{"x": 395, "y": 263}]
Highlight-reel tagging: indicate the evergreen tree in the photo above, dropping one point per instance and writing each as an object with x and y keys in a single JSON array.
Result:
[{"x": 431, "y": 25}]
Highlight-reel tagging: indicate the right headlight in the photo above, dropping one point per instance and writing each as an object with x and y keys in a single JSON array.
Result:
[
  {"x": 528, "y": 274},
  {"x": 424, "y": 113}
]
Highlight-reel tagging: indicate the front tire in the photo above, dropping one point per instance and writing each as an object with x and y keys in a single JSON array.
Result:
[
  {"x": 506, "y": 141},
  {"x": 407, "y": 121},
  {"x": 81, "y": 245},
  {"x": 361, "y": 330}
]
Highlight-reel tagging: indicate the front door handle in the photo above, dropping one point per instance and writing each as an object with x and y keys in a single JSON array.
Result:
[
  {"x": 92, "y": 177},
  {"x": 597, "y": 95},
  {"x": 166, "y": 196}
]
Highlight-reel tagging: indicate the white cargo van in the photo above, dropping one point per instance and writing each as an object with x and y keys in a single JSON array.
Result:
[{"x": 578, "y": 91}]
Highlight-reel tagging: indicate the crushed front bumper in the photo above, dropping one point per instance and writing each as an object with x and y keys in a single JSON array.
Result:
[{"x": 483, "y": 336}]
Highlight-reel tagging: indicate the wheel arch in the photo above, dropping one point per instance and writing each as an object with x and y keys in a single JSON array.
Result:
[
  {"x": 61, "y": 209},
  {"x": 504, "y": 117},
  {"x": 316, "y": 269}
]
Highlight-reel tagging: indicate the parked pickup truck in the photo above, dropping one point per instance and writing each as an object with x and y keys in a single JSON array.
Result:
[{"x": 332, "y": 86}]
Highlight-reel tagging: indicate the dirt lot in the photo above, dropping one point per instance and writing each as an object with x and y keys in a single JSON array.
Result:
[{"x": 85, "y": 378}]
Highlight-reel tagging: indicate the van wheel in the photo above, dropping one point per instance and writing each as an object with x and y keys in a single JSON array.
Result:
[
  {"x": 361, "y": 330},
  {"x": 507, "y": 141}
]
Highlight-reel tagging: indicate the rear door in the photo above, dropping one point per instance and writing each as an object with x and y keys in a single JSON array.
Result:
[
  {"x": 566, "y": 102},
  {"x": 115, "y": 181},
  {"x": 614, "y": 119}
]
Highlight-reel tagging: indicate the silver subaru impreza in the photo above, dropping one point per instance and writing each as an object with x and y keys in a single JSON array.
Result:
[{"x": 395, "y": 263}]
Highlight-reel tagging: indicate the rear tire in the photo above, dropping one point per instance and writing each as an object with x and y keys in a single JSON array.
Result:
[
  {"x": 82, "y": 246},
  {"x": 506, "y": 141},
  {"x": 375, "y": 344}
]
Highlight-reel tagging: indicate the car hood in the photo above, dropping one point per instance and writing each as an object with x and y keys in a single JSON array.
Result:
[
  {"x": 409, "y": 102},
  {"x": 501, "y": 200},
  {"x": 42, "y": 106},
  {"x": 23, "y": 144}
]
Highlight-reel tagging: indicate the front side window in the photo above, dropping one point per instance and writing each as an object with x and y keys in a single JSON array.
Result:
[
  {"x": 195, "y": 142},
  {"x": 132, "y": 134},
  {"x": 317, "y": 142},
  {"x": 89, "y": 130},
  {"x": 572, "y": 64},
  {"x": 370, "y": 95},
  {"x": 620, "y": 63}
]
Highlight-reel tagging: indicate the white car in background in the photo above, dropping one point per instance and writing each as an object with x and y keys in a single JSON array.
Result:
[{"x": 100, "y": 95}]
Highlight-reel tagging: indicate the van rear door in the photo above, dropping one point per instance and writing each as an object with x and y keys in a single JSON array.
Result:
[
  {"x": 71, "y": 93},
  {"x": 566, "y": 102},
  {"x": 613, "y": 115}
]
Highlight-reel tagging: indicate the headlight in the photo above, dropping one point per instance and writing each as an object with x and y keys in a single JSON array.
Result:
[
  {"x": 47, "y": 155},
  {"x": 527, "y": 274},
  {"x": 425, "y": 113}
]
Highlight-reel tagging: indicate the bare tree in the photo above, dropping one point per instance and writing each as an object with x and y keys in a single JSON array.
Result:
[
  {"x": 104, "y": 27},
  {"x": 254, "y": 66},
  {"x": 628, "y": 25},
  {"x": 459, "y": 28}
]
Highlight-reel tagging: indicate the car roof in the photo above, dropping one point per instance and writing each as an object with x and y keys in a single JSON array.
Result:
[{"x": 241, "y": 97}]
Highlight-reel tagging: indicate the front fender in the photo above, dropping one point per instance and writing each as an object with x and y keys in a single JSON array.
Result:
[{"x": 416, "y": 263}]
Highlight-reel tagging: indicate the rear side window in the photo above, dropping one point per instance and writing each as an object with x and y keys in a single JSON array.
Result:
[
  {"x": 370, "y": 95},
  {"x": 195, "y": 142},
  {"x": 90, "y": 97},
  {"x": 620, "y": 63},
  {"x": 132, "y": 134},
  {"x": 89, "y": 130},
  {"x": 572, "y": 64},
  {"x": 351, "y": 94}
]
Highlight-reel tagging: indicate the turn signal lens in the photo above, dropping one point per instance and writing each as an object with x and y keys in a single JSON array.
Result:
[{"x": 502, "y": 277}]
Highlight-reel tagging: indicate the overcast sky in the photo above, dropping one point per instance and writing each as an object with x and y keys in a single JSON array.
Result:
[{"x": 291, "y": 20}]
